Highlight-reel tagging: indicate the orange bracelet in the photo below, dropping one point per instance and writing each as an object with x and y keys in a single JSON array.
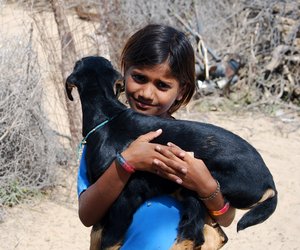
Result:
[{"x": 223, "y": 210}]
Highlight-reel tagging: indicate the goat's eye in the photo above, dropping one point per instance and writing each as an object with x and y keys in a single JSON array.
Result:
[{"x": 139, "y": 78}]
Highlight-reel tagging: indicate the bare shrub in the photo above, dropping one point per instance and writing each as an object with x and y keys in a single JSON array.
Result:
[
  {"x": 264, "y": 33},
  {"x": 252, "y": 30},
  {"x": 28, "y": 147},
  {"x": 119, "y": 19}
]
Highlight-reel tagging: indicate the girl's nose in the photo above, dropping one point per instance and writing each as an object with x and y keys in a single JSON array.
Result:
[{"x": 147, "y": 92}]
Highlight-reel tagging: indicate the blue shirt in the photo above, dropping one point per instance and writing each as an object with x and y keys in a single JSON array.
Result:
[
  {"x": 82, "y": 177},
  {"x": 154, "y": 224}
]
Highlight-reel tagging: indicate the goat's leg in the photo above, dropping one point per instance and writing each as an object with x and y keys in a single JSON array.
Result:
[{"x": 192, "y": 221}]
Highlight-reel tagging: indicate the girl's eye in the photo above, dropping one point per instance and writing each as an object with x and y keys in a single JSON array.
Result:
[
  {"x": 139, "y": 78},
  {"x": 163, "y": 86}
]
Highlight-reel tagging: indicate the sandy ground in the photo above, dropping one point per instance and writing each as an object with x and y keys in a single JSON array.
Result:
[{"x": 52, "y": 223}]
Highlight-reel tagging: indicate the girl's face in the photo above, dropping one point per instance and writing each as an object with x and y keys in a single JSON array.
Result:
[{"x": 152, "y": 90}]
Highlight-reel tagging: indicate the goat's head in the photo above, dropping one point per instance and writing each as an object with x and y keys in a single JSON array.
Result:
[{"x": 92, "y": 74}]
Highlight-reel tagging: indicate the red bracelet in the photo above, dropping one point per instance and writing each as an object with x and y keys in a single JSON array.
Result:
[
  {"x": 124, "y": 164},
  {"x": 223, "y": 210}
]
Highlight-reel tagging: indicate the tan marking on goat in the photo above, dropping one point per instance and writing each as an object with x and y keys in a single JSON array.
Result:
[
  {"x": 214, "y": 237},
  {"x": 96, "y": 239},
  {"x": 267, "y": 195}
]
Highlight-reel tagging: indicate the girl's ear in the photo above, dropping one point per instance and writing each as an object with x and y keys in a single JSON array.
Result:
[{"x": 181, "y": 93}]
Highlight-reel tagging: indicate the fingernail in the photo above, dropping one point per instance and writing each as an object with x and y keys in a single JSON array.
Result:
[
  {"x": 179, "y": 181},
  {"x": 184, "y": 170},
  {"x": 181, "y": 154},
  {"x": 158, "y": 148},
  {"x": 169, "y": 144},
  {"x": 159, "y": 130}
]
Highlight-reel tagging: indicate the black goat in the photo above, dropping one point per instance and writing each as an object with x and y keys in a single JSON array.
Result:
[{"x": 239, "y": 168}]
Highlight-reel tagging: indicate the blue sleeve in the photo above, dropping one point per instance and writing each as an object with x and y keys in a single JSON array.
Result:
[{"x": 82, "y": 177}]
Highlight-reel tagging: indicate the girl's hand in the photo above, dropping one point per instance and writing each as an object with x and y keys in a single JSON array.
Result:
[
  {"x": 142, "y": 154},
  {"x": 183, "y": 168},
  {"x": 195, "y": 176},
  {"x": 173, "y": 163}
]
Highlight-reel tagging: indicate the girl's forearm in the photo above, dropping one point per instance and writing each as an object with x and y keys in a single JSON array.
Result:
[
  {"x": 218, "y": 203},
  {"x": 97, "y": 199}
]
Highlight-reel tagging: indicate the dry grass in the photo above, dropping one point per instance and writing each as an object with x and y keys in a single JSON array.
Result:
[{"x": 28, "y": 146}]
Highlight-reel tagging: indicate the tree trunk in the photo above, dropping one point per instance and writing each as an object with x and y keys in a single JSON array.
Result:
[{"x": 68, "y": 58}]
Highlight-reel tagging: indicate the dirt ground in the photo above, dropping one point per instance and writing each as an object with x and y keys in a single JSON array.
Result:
[{"x": 52, "y": 222}]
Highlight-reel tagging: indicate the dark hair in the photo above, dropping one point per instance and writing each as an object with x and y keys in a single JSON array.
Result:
[{"x": 156, "y": 44}]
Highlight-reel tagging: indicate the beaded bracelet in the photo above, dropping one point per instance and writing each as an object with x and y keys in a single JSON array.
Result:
[
  {"x": 223, "y": 210},
  {"x": 124, "y": 164},
  {"x": 213, "y": 195}
]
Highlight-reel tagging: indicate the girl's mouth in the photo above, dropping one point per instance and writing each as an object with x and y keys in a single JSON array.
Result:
[{"x": 142, "y": 105}]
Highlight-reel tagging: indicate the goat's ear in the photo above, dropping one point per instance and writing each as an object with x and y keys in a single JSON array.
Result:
[
  {"x": 69, "y": 90},
  {"x": 118, "y": 83},
  {"x": 118, "y": 76},
  {"x": 119, "y": 87}
]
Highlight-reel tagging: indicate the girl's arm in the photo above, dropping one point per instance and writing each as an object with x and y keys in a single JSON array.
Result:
[
  {"x": 217, "y": 203},
  {"x": 96, "y": 200},
  {"x": 195, "y": 176}
]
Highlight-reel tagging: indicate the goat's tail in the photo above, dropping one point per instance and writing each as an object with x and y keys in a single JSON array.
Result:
[{"x": 259, "y": 213}]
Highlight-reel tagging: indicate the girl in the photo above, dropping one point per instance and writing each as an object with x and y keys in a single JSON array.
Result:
[{"x": 159, "y": 75}]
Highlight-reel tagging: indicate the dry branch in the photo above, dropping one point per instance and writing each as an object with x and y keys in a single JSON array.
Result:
[
  {"x": 68, "y": 58},
  {"x": 28, "y": 147},
  {"x": 85, "y": 14}
]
